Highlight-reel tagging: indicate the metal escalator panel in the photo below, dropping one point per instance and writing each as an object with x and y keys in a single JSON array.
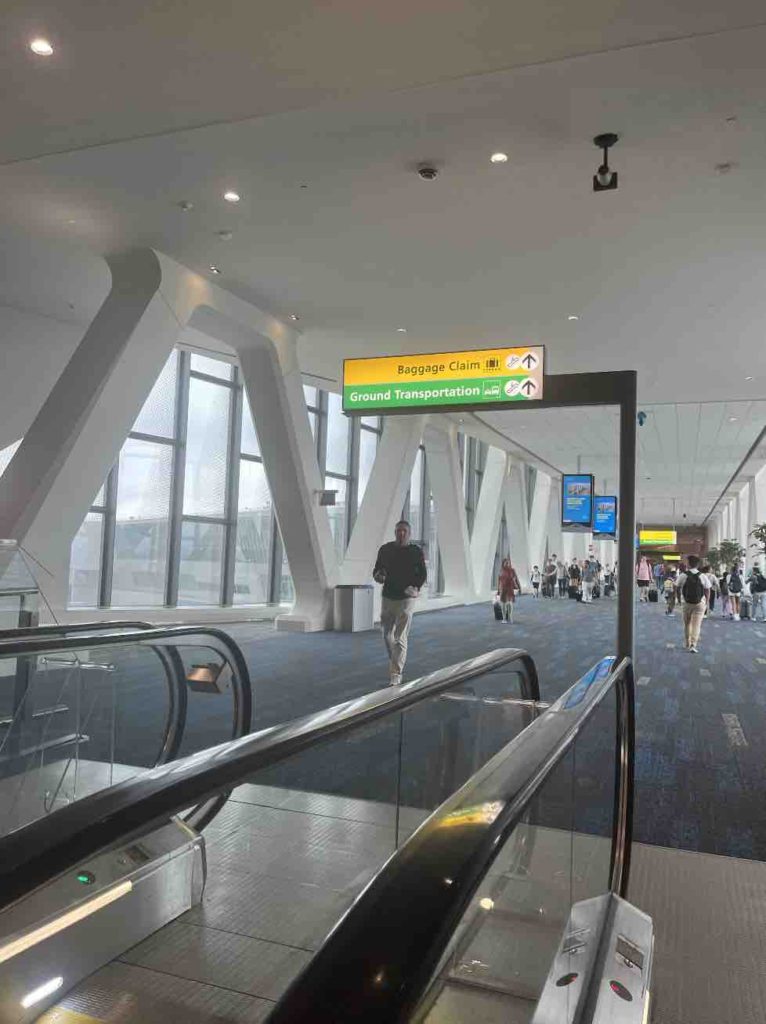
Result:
[
  {"x": 465, "y": 920},
  {"x": 69, "y": 928}
]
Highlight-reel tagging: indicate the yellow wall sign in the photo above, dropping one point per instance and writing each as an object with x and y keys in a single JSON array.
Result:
[
  {"x": 656, "y": 538},
  {"x": 475, "y": 377}
]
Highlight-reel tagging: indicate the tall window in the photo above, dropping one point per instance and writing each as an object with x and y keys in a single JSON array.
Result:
[{"x": 185, "y": 517}]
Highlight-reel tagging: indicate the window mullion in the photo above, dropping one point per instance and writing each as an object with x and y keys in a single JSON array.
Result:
[
  {"x": 177, "y": 481},
  {"x": 232, "y": 494},
  {"x": 108, "y": 537}
]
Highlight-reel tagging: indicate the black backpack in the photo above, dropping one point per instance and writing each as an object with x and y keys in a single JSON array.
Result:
[
  {"x": 735, "y": 583},
  {"x": 760, "y": 583},
  {"x": 693, "y": 590}
]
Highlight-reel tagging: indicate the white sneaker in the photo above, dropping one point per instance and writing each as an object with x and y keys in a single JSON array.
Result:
[
  {"x": 396, "y": 680},
  {"x": 736, "y": 618},
  {"x": 693, "y": 650}
]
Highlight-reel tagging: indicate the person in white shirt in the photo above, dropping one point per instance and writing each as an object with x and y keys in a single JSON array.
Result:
[
  {"x": 693, "y": 589},
  {"x": 536, "y": 577}
]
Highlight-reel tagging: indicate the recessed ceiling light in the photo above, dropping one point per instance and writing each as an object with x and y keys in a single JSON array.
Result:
[
  {"x": 226, "y": 236},
  {"x": 499, "y": 158},
  {"x": 573, "y": 317},
  {"x": 401, "y": 330},
  {"x": 749, "y": 378},
  {"x": 214, "y": 269},
  {"x": 294, "y": 317},
  {"x": 41, "y": 47},
  {"x": 231, "y": 196},
  {"x": 185, "y": 205},
  {"x": 732, "y": 419}
]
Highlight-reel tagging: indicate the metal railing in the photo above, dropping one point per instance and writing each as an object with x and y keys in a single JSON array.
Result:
[
  {"x": 164, "y": 642},
  {"x": 379, "y": 960},
  {"x": 46, "y": 848}
]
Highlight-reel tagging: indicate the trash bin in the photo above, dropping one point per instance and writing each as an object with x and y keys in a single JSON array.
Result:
[{"x": 353, "y": 611}]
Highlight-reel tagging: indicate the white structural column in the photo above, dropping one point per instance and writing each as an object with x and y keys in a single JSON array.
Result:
[
  {"x": 554, "y": 531},
  {"x": 517, "y": 518},
  {"x": 757, "y": 514},
  {"x": 743, "y": 503},
  {"x": 446, "y": 478},
  {"x": 275, "y": 390},
  {"x": 67, "y": 452},
  {"x": 487, "y": 518},
  {"x": 538, "y": 519},
  {"x": 384, "y": 496},
  {"x": 47, "y": 489}
]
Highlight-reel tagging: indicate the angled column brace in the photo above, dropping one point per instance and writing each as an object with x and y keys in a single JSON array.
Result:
[
  {"x": 447, "y": 487},
  {"x": 487, "y": 519},
  {"x": 384, "y": 497}
]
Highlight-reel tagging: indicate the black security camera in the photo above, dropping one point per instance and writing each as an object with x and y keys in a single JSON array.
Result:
[
  {"x": 427, "y": 172},
  {"x": 641, "y": 418}
]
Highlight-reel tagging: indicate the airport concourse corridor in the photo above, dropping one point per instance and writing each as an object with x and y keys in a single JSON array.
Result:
[{"x": 700, "y": 720}]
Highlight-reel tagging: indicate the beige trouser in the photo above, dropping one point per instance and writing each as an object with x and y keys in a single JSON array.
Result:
[
  {"x": 395, "y": 619},
  {"x": 693, "y": 615}
]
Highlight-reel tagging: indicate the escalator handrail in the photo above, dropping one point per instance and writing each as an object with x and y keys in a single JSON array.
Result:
[
  {"x": 48, "y": 847},
  {"x": 52, "y": 639},
  {"x": 65, "y": 628},
  {"x": 379, "y": 960}
]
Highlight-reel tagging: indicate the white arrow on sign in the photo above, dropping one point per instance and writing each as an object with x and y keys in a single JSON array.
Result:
[
  {"x": 529, "y": 361},
  {"x": 528, "y": 387}
]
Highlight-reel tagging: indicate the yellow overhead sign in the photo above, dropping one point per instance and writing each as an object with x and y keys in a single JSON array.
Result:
[
  {"x": 656, "y": 538},
  {"x": 475, "y": 377}
]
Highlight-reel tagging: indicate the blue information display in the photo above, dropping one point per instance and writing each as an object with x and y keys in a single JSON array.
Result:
[
  {"x": 605, "y": 515},
  {"x": 577, "y": 501}
]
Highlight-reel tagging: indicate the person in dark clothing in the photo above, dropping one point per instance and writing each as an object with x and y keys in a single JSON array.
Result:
[{"x": 401, "y": 568}]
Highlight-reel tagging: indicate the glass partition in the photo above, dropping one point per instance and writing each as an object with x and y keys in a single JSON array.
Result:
[
  {"x": 556, "y": 857},
  {"x": 76, "y": 721}
]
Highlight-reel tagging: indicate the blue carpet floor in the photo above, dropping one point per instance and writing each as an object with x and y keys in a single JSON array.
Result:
[{"x": 699, "y": 771}]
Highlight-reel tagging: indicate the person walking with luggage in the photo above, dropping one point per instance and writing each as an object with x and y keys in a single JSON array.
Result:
[
  {"x": 708, "y": 571},
  {"x": 758, "y": 593},
  {"x": 574, "y": 578},
  {"x": 401, "y": 568},
  {"x": 549, "y": 583},
  {"x": 734, "y": 583},
  {"x": 669, "y": 589},
  {"x": 507, "y": 585},
  {"x": 589, "y": 578},
  {"x": 562, "y": 577},
  {"x": 693, "y": 589},
  {"x": 536, "y": 577},
  {"x": 644, "y": 578}
]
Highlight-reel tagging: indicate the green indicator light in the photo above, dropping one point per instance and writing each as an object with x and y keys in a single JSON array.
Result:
[{"x": 86, "y": 878}]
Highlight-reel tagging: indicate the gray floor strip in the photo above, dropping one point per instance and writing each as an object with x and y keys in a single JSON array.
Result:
[{"x": 734, "y": 730}]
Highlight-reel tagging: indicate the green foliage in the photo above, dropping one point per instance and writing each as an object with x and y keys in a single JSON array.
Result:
[
  {"x": 760, "y": 537},
  {"x": 731, "y": 552},
  {"x": 713, "y": 557}
]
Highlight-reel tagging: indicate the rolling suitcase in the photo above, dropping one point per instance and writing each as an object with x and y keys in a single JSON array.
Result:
[
  {"x": 498, "y": 609},
  {"x": 572, "y": 592},
  {"x": 654, "y": 595},
  {"x": 596, "y": 592}
]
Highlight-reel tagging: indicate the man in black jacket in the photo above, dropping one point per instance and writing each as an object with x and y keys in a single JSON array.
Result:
[{"x": 401, "y": 568}]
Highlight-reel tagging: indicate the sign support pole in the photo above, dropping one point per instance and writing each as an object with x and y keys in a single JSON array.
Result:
[{"x": 627, "y": 522}]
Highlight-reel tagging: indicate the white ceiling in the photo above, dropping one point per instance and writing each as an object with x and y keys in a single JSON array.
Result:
[
  {"x": 346, "y": 99},
  {"x": 686, "y": 452}
]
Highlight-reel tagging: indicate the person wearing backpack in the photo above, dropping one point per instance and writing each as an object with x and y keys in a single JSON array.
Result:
[
  {"x": 758, "y": 592},
  {"x": 693, "y": 590},
  {"x": 723, "y": 590},
  {"x": 734, "y": 583}
]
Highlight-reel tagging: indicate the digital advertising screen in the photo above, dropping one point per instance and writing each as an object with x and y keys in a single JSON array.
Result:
[
  {"x": 577, "y": 501},
  {"x": 605, "y": 515}
]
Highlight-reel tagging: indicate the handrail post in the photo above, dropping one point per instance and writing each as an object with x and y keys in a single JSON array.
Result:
[{"x": 622, "y": 823}]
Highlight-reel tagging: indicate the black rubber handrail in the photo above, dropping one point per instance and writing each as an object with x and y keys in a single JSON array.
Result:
[
  {"x": 65, "y": 628},
  {"x": 380, "y": 959},
  {"x": 162, "y": 640},
  {"x": 49, "y": 847}
]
